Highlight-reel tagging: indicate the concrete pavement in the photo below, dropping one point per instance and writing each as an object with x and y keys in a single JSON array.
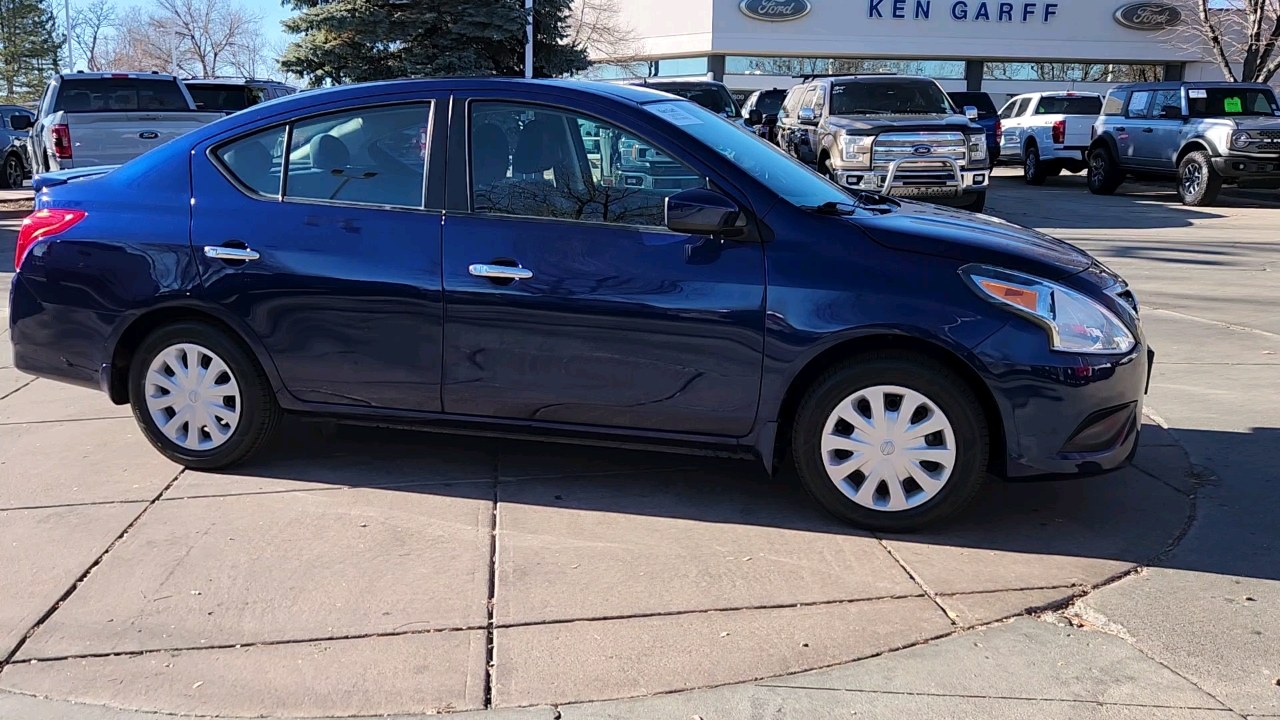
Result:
[{"x": 368, "y": 573}]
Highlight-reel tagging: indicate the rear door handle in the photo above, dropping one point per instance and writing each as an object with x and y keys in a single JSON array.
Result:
[
  {"x": 1148, "y": 130},
  {"x": 1120, "y": 129},
  {"x": 219, "y": 252},
  {"x": 500, "y": 271}
]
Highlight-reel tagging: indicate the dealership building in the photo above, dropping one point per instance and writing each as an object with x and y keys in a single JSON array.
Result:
[{"x": 1003, "y": 47}]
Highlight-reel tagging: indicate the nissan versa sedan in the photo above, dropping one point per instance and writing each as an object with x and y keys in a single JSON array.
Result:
[{"x": 465, "y": 254}]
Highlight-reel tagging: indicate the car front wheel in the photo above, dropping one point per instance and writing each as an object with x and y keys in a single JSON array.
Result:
[
  {"x": 891, "y": 441},
  {"x": 1198, "y": 182},
  {"x": 200, "y": 397}
]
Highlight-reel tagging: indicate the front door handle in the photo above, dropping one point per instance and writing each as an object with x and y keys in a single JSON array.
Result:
[
  {"x": 1148, "y": 130},
  {"x": 1120, "y": 129},
  {"x": 219, "y": 252},
  {"x": 504, "y": 272}
]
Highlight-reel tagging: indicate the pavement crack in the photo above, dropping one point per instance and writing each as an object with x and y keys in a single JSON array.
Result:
[
  {"x": 11, "y": 392},
  {"x": 58, "y": 420},
  {"x": 85, "y": 575},
  {"x": 979, "y": 696},
  {"x": 919, "y": 581},
  {"x": 493, "y": 583}
]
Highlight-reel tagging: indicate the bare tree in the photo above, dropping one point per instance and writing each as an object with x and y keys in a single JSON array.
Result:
[
  {"x": 251, "y": 56},
  {"x": 211, "y": 30},
  {"x": 1235, "y": 33},
  {"x": 597, "y": 26},
  {"x": 93, "y": 25}
]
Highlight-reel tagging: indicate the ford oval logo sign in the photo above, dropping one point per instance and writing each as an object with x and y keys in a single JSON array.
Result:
[
  {"x": 1148, "y": 16},
  {"x": 922, "y": 150},
  {"x": 775, "y": 10},
  {"x": 148, "y": 135}
]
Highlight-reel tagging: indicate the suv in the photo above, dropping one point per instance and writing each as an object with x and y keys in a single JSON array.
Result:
[
  {"x": 1202, "y": 134},
  {"x": 13, "y": 145},
  {"x": 893, "y": 134},
  {"x": 230, "y": 95},
  {"x": 768, "y": 102}
]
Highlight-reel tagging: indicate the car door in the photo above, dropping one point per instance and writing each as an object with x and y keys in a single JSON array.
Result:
[
  {"x": 1158, "y": 141},
  {"x": 567, "y": 301},
  {"x": 337, "y": 269},
  {"x": 1009, "y": 149},
  {"x": 1130, "y": 135}
]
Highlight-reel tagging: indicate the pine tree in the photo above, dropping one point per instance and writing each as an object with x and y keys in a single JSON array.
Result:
[
  {"x": 359, "y": 40},
  {"x": 29, "y": 46}
]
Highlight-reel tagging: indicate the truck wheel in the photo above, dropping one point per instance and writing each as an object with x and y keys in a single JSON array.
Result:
[
  {"x": 12, "y": 175},
  {"x": 1104, "y": 174},
  {"x": 1032, "y": 169},
  {"x": 828, "y": 171},
  {"x": 1198, "y": 182},
  {"x": 891, "y": 441}
]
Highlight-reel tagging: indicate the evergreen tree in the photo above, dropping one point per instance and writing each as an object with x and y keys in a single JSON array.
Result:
[
  {"x": 358, "y": 40},
  {"x": 29, "y": 46}
]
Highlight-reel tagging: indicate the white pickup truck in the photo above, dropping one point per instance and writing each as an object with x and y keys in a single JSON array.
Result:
[
  {"x": 1047, "y": 132},
  {"x": 88, "y": 119}
]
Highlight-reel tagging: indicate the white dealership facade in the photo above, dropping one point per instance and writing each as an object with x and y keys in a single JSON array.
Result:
[{"x": 1002, "y": 47}]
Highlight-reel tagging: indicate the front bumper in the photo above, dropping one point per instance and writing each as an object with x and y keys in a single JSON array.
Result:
[
  {"x": 1064, "y": 413},
  {"x": 900, "y": 179},
  {"x": 1248, "y": 167}
]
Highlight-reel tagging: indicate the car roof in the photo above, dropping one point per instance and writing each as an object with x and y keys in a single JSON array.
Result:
[
  {"x": 1179, "y": 84},
  {"x": 81, "y": 75},
  {"x": 871, "y": 77},
  {"x": 660, "y": 82},
  {"x": 230, "y": 81}
]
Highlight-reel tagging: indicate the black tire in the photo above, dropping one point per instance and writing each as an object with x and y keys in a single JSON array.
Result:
[
  {"x": 941, "y": 386},
  {"x": 1198, "y": 182},
  {"x": 12, "y": 174},
  {"x": 1032, "y": 166},
  {"x": 259, "y": 414},
  {"x": 978, "y": 204},
  {"x": 1104, "y": 173}
]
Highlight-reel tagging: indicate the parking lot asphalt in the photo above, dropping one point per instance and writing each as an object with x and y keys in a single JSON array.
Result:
[{"x": 354, "y": 572}]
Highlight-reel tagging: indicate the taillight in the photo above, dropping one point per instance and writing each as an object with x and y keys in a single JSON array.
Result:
[
  {"x": 999, "y": 130},
  {"x": 43, "y": 224},
  {"x": 1059, "y": 132},
  {"x": 62, "y": 142}
]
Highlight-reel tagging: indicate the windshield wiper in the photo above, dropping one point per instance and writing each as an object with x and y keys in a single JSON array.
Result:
[
  {"x": 832, "y": 207},
  {"x": 864, "y": 111}
]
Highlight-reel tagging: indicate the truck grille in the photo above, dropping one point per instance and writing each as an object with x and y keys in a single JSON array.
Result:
[
  {"x": 1269, "y": 134},
  {"x": 920, "y": 172}
]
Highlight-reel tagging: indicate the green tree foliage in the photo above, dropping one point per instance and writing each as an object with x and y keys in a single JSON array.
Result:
[
  {"x": 345, "y": 41},
  {"x": 29, "y": 45}
]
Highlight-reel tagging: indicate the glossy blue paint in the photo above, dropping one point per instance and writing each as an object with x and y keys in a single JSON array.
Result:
[{"x": 622, "y": 333}]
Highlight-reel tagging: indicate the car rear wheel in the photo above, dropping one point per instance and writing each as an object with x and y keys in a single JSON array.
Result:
[
  {"x": 891, "y": 441},
  {"x": 1198, "y": 182},
  {"x": 1032, "y": 168},
  {"x": 201, "y": 399},
  {"x": 12, "y": 176},
  {"x": 1104, "y": 174}
]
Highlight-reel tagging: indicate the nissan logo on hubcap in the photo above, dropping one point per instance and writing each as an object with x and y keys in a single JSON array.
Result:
[{"x": 921, "y": 150}]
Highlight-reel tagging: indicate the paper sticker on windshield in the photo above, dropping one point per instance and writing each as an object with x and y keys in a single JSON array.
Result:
[
  {"x": 1197, "y": 94},
  {"x": 1231, "y": 105},
  {"x": 673, "y": 113}
]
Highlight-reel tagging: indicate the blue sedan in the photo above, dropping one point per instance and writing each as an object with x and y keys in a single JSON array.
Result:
[{"x": 469, "y": 255}]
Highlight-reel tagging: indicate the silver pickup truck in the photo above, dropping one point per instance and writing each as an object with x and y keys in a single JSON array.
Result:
[{"x": 88, "y": 119}]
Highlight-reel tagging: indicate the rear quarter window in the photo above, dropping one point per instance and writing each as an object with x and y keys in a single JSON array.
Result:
[
  {"x": 120, "y": 95},
  {"x": 1114, "y": 104}
]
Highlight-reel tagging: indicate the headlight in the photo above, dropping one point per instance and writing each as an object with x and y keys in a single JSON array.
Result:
[
  {"x": 977, "y": 147},
  {"x": 1075, "y": 323},
  {"x": 1240, "y": 140},
  {"x": 856, "y": 149}
]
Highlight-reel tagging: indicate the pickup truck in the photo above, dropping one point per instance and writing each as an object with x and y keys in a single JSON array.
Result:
[
  {"x": 1201, "y": 134},
  {"x": 88, "y": 119},
  {"x": 1048, "y": 132}
]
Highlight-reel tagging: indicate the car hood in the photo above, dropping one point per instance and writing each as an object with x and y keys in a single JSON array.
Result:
[
  {"x": 1257, "y": 123},
  {"x": 897, "y": 123},
  {"x": 973, "y": 238}
]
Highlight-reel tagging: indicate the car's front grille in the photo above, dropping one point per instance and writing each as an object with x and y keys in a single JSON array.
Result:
[
  {"x": 889, "y": 147},
  {"x": 1269, "y": 134}
]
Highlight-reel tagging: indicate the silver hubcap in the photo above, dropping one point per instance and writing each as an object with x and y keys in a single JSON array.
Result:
[
  {"x": 888, "y": 448},
  {"x": 14, "y": 172},
  {"x": 1191, "y": 177},
  {"x": 192, "y": 396}
]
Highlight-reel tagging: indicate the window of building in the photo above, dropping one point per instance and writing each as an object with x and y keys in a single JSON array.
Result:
[
  {"x": 1138, "y": 104},
  {"x": 533, "y": 161},
  {"x": 674, "y": 67},
  {"x": 374, "y": 156},
  {"x": 798, "y": 66},
  {"x": 255, "y": 160},
  {"x": 1072, "y": 72}
]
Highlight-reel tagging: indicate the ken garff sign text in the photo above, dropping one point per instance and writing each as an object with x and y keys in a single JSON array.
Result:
[
  {"x": 775, "y": 10},
  {"x": 1148, "y": 16},
  {"x": 964, "y": 10}
]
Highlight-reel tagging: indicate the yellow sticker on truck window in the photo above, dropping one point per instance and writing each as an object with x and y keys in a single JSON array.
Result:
[{"x": 1231, "y": 105}]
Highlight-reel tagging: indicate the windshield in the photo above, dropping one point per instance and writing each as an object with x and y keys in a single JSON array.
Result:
[
  {"x": 895, "y": 97},
  {"x": 779, "y": 172},
  {"x": 768, "y": 103},
  {"x": 226, "y": 98},
  {"x": 979, "y": 100},
  {"x": 119, "y": 95},
  {"x": 1068, "y": 105},
  {"x": 715, "y": 98},
  {"x": 1216, "y": 102}
]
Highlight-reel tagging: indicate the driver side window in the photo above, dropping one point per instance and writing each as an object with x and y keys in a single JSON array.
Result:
[{"x": 534, "y": 161}]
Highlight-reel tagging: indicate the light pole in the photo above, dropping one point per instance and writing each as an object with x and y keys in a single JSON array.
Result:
[
  {"x": 71, "y": 61},
  {"x": 528, "y": 39}
]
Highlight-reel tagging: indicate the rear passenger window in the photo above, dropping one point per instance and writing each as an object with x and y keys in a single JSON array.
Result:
[
  {"x": 255, "y": 161},
  {"x": 372, "y": 156},
  {"x": 1138, "y": 104},
  {"x": 1114, "y": 104}
]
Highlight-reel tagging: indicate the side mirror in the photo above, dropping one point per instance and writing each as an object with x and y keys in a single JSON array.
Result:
[
  {"x": 754, "y": 117},
  {"x": 971, "y": 112},
  {"x": 1171, "y": 112},
  {"x": 806, "y": 116},
  {"x": 700, "y": 212},
  {"x": 18, "y": 121}
]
